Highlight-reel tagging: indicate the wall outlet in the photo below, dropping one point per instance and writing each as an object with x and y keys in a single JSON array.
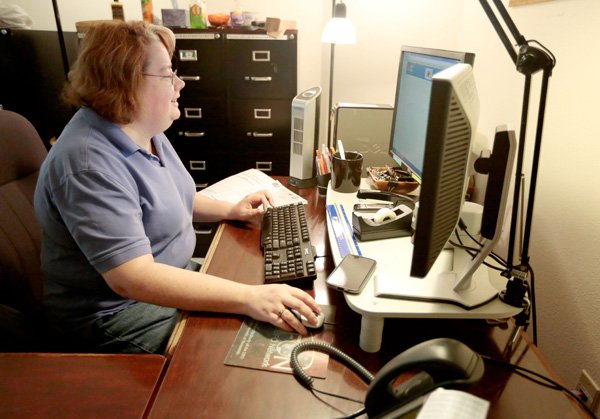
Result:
[{"x": 589, "y": 391}]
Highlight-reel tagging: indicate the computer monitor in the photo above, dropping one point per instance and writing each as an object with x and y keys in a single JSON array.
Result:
[
  {"x": 413, "y": 89},
  {"x": 439, "y": 273}
]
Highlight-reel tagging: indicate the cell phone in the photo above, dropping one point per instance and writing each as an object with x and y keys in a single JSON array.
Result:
[{"x": 352, "y": 273}]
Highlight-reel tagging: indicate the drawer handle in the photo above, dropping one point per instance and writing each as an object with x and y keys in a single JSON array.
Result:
[
  {"x": 257, "y": 134},
  {"x": 193, "y": 134},
  {"x": 200, "y": 186},
  {"x": 197, "y": 164},
  {"x": 204, "y": 231},
  {"x": 258, "y": 79},
  {"x": 265, "y": 166},
  {"x": 190, "y": 78},
  {"x": 261, "y": 56},
  {"x": 262, "y": 113},
  {"x": 193, "y": 113}
]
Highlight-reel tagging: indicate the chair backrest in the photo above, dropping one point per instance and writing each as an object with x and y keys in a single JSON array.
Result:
[{"x": 21, "y": 285}]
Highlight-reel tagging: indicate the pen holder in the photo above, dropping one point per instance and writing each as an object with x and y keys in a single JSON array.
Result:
[
  {"x": 346, "y": 172},
  {"x": 322, "y": 182}
]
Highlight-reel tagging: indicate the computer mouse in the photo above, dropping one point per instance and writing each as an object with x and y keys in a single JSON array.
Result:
[{"x": 306, "y": 323}]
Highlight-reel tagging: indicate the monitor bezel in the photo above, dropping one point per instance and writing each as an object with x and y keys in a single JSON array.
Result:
[{"x": 460, "y": 56}]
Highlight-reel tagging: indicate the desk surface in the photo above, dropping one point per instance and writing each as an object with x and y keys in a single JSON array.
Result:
[
  {"x": 77, "y": 386},
  {"x": 198, "y": 384}
]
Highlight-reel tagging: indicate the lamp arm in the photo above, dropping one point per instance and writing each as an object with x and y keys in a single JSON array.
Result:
[
  {"x": 534, "y": 167},
  {"x": 498, "y": 27},
  {"x": 528, "y": 60},
  {"x": 61, "y": 39},
  {"x": 520, "y": 39}
]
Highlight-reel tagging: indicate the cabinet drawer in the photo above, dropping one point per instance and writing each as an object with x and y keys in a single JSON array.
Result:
[
  {"x": 205, "y": 232},
  {"x": 195, "y": 139},
  {"x": 202, "y": 111},
  {"x": 271, "y": 163},
  {"x": 261, "y": 67},
  {"x": 264, "y": 122},
  {"x": 206, "y": 168},
  {"x": 199, "y": 61}
]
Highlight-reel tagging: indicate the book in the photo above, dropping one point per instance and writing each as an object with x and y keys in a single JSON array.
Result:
[{"x": 235, "y": 187}]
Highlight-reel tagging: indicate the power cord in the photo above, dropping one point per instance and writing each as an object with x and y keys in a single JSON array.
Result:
[
  {"x": 541, "y": 380},
  {"x": 529, "y": 307},
  {"x": 307, "y": 381}
]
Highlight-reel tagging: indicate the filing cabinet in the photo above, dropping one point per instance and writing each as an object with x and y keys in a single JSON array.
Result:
[{"x": 236, "y": 105}]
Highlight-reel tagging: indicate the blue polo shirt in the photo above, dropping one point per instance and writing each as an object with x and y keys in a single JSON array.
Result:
[{"x": 101, "y": 201}]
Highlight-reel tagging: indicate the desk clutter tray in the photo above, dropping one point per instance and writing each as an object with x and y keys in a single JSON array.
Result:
[{"x": 391, "y": 179}]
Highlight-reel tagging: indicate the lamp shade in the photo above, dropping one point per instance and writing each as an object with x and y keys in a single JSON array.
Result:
[{"x": 339, "y": 29}]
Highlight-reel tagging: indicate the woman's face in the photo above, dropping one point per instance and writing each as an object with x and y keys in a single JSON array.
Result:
[{"x": 159, "y": 92}]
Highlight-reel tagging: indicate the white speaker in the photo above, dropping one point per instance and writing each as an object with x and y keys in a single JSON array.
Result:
[{"x": 304, "y": 137}]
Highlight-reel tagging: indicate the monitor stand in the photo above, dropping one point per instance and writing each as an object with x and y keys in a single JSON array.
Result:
[
  {"x": 454, "y": 277},
  {"x": 450, "y": 280}
]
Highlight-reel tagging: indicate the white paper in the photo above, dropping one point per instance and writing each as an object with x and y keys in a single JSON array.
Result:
[
  {"x": 453, "y": 404},
  {"x": 235, "y": 187}
]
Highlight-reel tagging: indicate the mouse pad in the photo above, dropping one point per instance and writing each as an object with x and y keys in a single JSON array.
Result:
[{"x": 260, "y": 345}]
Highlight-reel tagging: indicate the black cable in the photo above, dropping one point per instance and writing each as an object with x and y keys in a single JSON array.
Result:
[
  {"x": 522, "y": 371},
  {"x": 473, "y": 252},
  {"x": 531, "y": 292},
  {"x": 307, "y": 381},
  {"x": 493, "y": 255}
]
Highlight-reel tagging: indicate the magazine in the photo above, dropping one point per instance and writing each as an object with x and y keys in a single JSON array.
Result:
[{"x": 262, "y": 346}]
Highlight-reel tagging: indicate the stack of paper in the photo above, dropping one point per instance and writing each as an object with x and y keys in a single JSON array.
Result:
[{"x": 235, "y": 187}]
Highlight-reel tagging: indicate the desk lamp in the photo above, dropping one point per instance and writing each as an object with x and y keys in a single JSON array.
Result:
[
  {"x": 528, "y": 60},
  {"x": 339, "y": 30}
]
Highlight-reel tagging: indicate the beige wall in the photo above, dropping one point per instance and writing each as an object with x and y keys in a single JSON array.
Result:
[{"x": 566, "y": 232}]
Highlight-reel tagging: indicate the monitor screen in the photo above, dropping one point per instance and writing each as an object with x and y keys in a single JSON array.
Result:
[{"x": 413, "y": 90}]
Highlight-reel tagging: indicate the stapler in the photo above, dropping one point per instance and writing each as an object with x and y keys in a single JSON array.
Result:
[{"x": 382, "y": 220}]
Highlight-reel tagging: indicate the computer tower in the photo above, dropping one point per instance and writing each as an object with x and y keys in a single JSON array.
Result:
[
  {"x": 365, "y": 128},
  {"x": 304, "y": 137}
]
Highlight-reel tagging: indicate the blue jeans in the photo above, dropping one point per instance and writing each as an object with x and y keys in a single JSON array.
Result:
[{"x": 139, "y": 328}]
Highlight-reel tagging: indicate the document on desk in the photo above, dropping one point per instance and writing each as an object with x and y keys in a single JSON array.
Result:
[
  {"x": 451, "y": 404},
  {"x": 262, "y": 346},
  {"x": 234, "y": 188}
]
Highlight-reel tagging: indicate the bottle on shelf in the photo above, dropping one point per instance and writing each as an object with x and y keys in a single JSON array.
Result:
[
  {"x": 147, "y": 11},
  {"x": 236, "y": 15},
  {"x": 197, "y": 15},
  {"x": 117, "y": 10}
]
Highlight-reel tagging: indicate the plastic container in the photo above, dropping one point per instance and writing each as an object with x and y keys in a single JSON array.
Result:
[
  {"x": 117, "y": 10},
  {"x": 197, "y": 15},
  {"x": 147, "y": 11},
  {"x": 236, "y": 15}
]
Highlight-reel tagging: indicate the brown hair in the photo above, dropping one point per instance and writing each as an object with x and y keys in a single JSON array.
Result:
[{"x": 108, "y": 71}]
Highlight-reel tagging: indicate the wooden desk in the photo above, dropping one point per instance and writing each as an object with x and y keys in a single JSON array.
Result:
[
  {"x": 77, "y": 386},
  {"x": 198, "y": 385}
]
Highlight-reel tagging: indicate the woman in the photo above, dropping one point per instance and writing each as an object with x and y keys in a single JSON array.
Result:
[{"x": 116, "y": 207}]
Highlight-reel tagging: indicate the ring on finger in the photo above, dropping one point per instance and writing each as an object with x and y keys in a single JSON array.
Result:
[{"x": 280, "y": 313}]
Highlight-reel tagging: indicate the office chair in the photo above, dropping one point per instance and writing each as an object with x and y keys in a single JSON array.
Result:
[{"x": 21, "y": 154}]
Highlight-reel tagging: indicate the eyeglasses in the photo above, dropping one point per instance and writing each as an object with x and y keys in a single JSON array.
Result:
[{"x": 170, "y": 76}]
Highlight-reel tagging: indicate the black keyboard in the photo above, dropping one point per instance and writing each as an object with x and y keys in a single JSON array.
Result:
[{"x": 289, "y": 254}]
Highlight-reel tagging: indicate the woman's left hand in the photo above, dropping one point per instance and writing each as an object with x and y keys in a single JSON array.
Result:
[{"x": 252, "y": 206}]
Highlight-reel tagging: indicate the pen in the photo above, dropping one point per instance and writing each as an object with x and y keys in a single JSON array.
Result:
[{"x": 341, "y": 149}]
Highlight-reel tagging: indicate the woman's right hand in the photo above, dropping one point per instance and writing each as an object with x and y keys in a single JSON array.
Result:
[{"x": 272, "y": 303}]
